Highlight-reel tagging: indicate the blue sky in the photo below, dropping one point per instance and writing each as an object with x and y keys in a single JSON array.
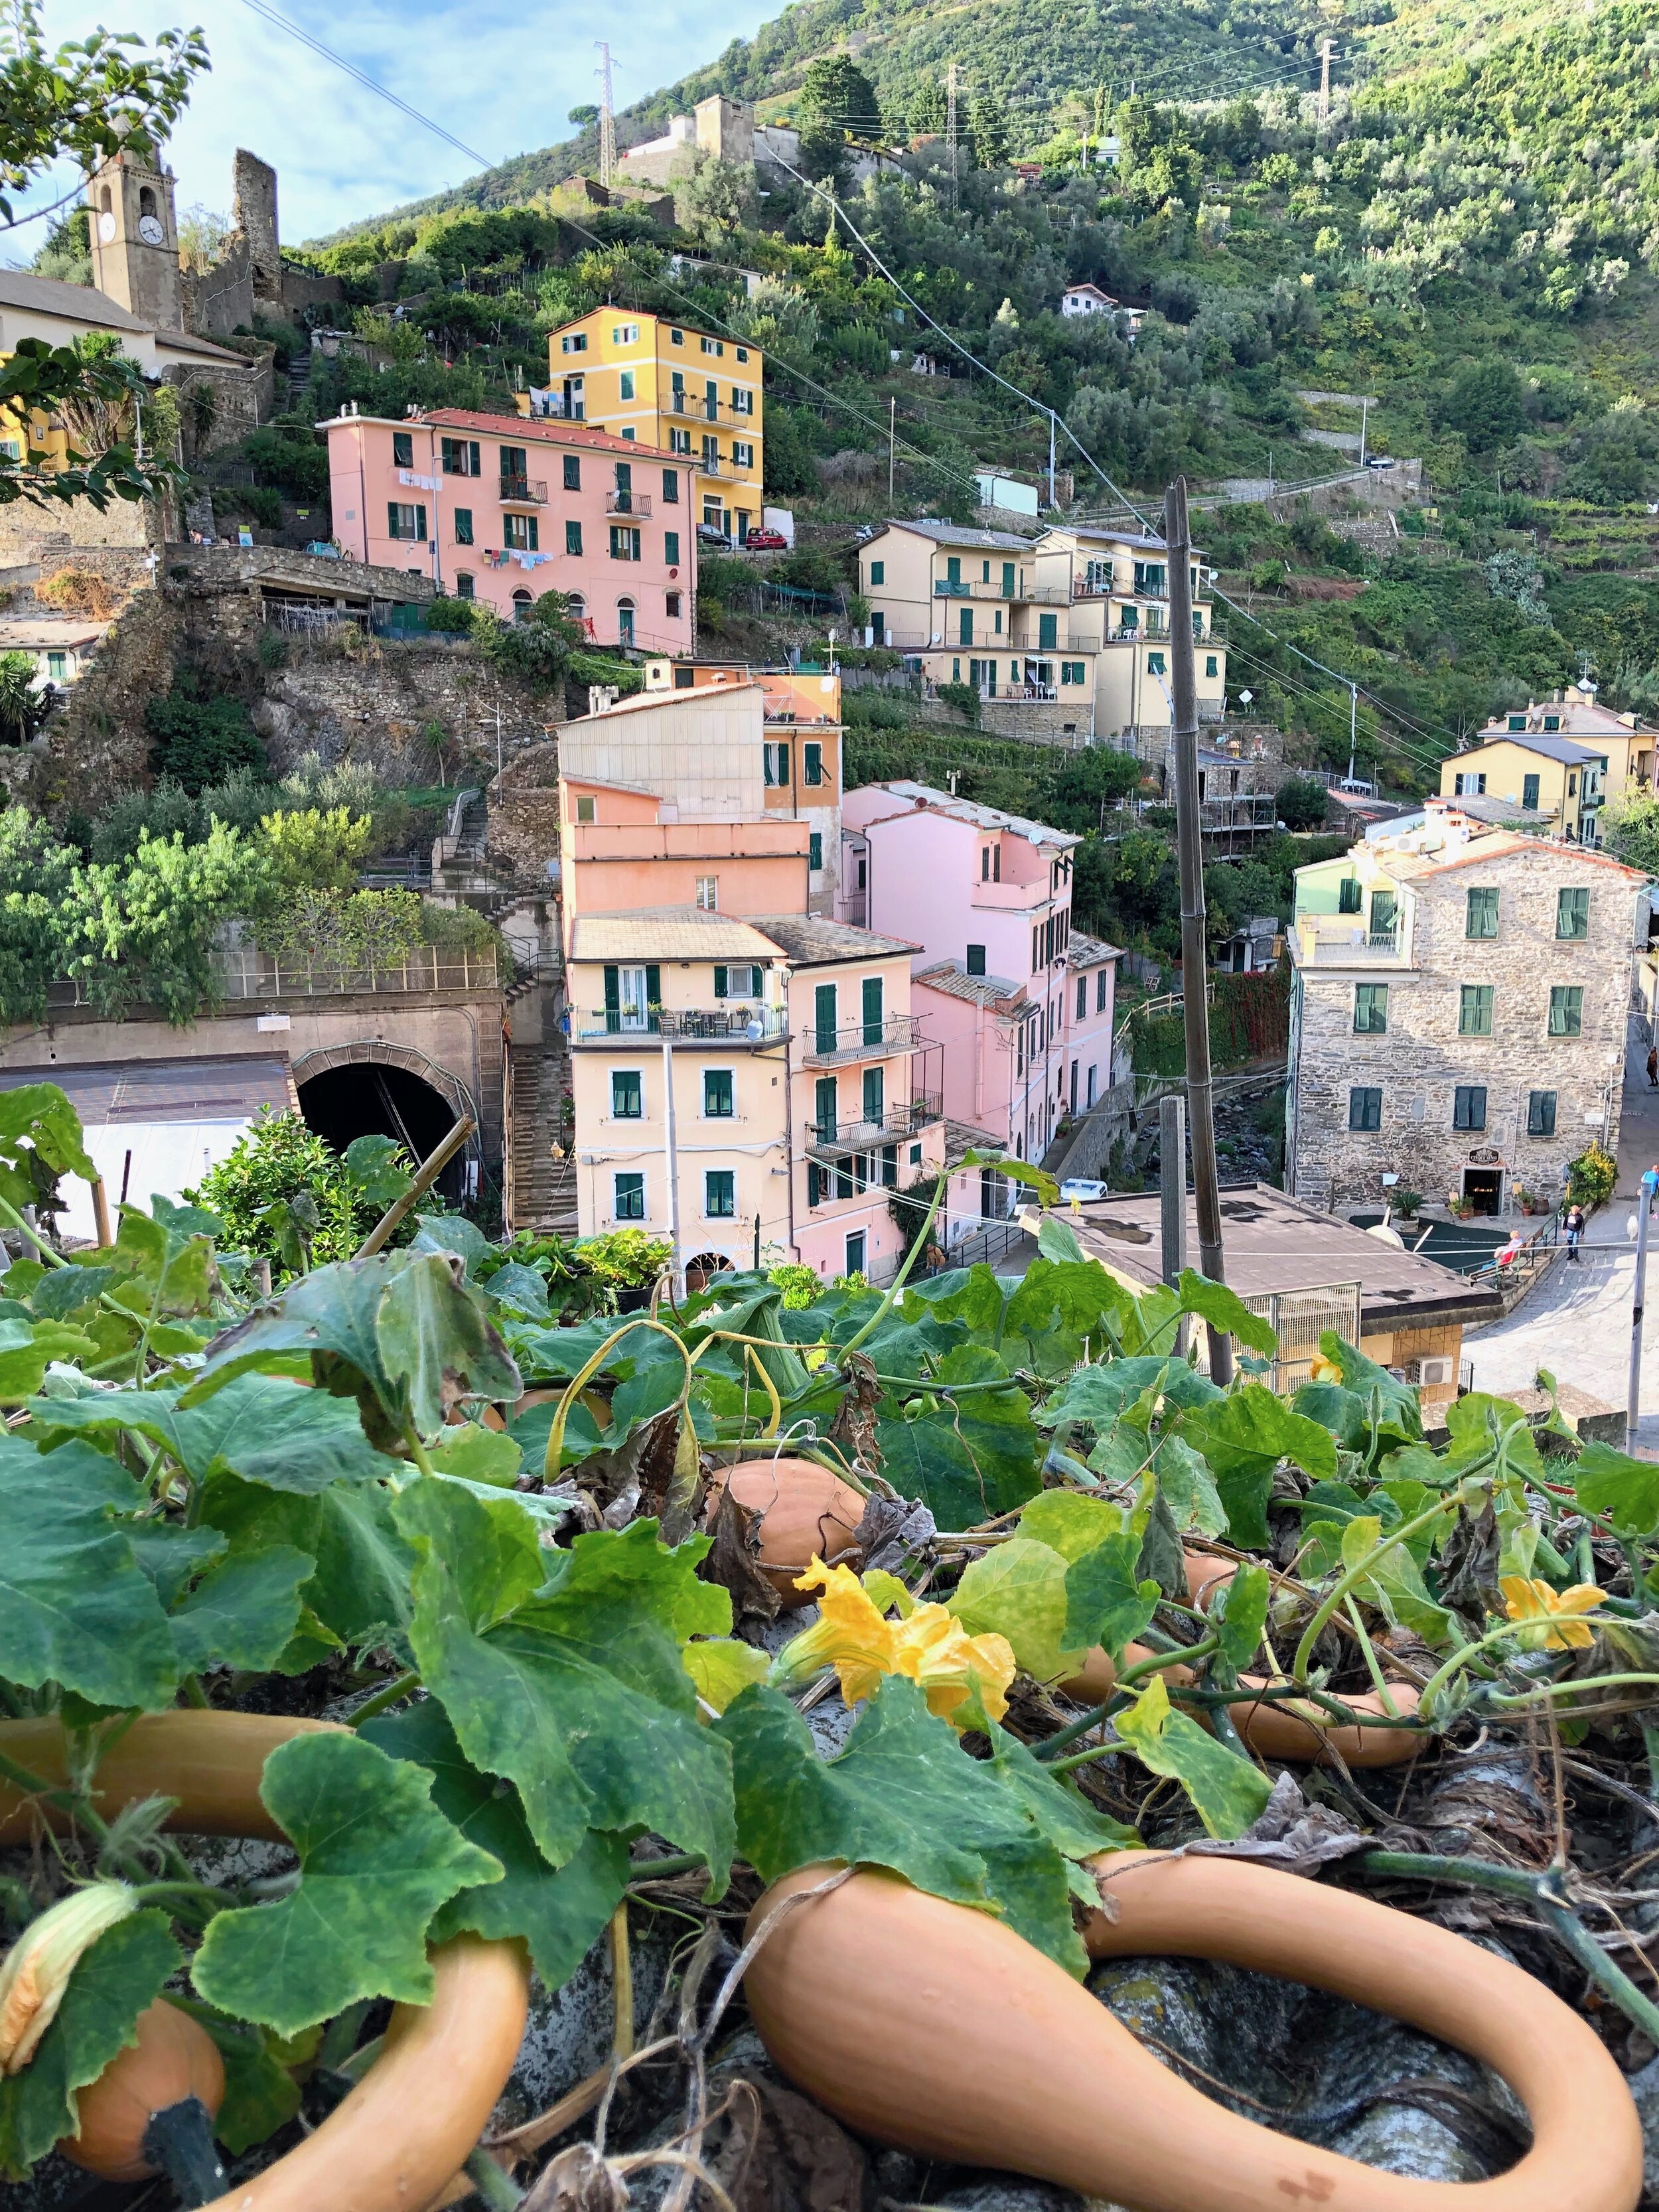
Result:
[{"x": 501, "y": 75}]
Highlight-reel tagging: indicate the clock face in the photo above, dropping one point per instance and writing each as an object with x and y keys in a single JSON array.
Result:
[
  {"x": 107, "y": 226},
  {"x": 151, "y": 230}
]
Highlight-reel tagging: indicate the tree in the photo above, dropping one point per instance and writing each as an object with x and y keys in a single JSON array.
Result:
[
  {"x": 23, "y": 707},
  {"x": 36, "y": 874},
  {"x": 988, "y": 121},
  {"x": 314, "y": 849},
  {"x": 1629, "y": 826},
  {"x": 82, "y": 102},
  {"x": 836, "y": 93},
  {"x": 1301, "y": 803},
  {"x": 146, "y": 932},
  {"x": 1487, "y": 404},
  {"x": 713, "y": 200},
  {"x": 927, "y": 115},
  {"x": 198, "y": 742}
]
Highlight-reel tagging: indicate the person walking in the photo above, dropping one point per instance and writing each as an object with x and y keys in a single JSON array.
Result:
[
  {"x": 1575, "y": 1229},
  {"x": 1653, "y": 1067}
]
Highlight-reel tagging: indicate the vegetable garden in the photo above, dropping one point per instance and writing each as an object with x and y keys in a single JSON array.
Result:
[{"x": 493, "y": 1633}]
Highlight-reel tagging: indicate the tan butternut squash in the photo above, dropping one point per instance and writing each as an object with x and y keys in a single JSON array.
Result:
[
  {"x": 395, "y": 2141},
  {"x": 930, "y": 2025},
  {"x": 151, "y": 2110}
]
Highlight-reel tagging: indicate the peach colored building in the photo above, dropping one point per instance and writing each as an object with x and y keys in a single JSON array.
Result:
[
  {"x": 499, "y": 510},
  {"x": 1021, "y": 1003}
]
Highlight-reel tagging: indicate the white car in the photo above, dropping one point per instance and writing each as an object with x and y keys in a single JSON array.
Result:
[{"x": 1082, "y": 1189}]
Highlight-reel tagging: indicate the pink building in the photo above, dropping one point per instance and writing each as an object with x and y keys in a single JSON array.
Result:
[
  {"x": 1020, "y": 1002},
  {"x": 501, "y": 508}
]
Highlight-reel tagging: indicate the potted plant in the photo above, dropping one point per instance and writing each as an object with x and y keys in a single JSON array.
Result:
[{"x": 1406, "y": 1202}]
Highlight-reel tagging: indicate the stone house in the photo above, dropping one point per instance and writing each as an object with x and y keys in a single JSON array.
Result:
[{"x": 1457, "y": 1013}]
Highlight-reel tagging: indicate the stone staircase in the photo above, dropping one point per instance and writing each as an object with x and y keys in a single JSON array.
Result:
[{"x": 543, "y": 1189}]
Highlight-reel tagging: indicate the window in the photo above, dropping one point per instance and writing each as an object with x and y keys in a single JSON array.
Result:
[
  {"x": 709, "y": 893},
  {"x": 823, "y": 1017},
  {"x": 462, "y": 525},
  {"x": 459, "y": 456},
  {"x": 738, "y": 983},
  {"x": 624, "y": 542},
  {"x": 679, "y": 442},
  {"x": 573, "y": 538},
  {"x": 877, "y": 572},
  {"x": 464, "y": 587},
  {"x": 975, "y": 962},
  {"x": 1100, "y": 988},
  {"x": 1540, "y": 1113},
  {"x": 1469, "y": 1107},
  {"x": 1371, "y": 1009},
  {"x": 776, "y": 763},
  {"x": 811, "y": 762},
  {"x": 627, "y": 384},
  {"x": 515, "y": 482},
  {"x": 815, "y": 851},
  {"x": 1517, "y": 722},
  {"x": 1468, "y": 785},
  {"x": 711, "y": 345},
  {"x": 670, "y": 487},
  {"x": 1211, "y": 665},
  {"x": 1082, "y": 996},
  {"x": 1475, "y": 1010},
  {"x": 1530, "y": 791},
  {"x": 1573, "y": 786},
  {"x": 671, "y": 606},
  {"x": 1364, "y": 1109},
  {"x": 1349, "y": 896},
  {"x": 626, "y": 611},
  {"x": 626, "y": 1102},
  {"x": 585, "y": 806},
  {"x": 720, "y": 1194},
  {"x": 915, "y": 1156},
  {"x": 1385, "y": 914},
  {"x": 1573, "y": 914},
  {"x": 1037, "y": 948},
  {"x": 743, "y": 353},
  {"x": 717, "y": 1094},
  {"x": 871, "y": 995},
  {"x": 403, "y": 449},
  {"x": 1481, "y": 919},
  {"x": 743, "y": 454},
  {"x": 576, "y": 607},
  {"x": 630, "y": 1203},
  {"x": 521, "y": 605},
  {"x": 676, "y": 337},
  {"x": 1155, "y": 664},
  {"x": 521, "y": 532},
  {"x": 405, "y": 521},
  {"x": 855, "y": 1253},
  {"x": 625, "y": 334},
  {"x": 875, "y": 1096},
  {"x": 1551, "y": 721},
  {"x": 57, "y": 667},
  {"x": 1074, "y": 672},
  {"x": 1047, "y": 633},
  {"x": 1567, "y": 1010},
  {"x": 574, "y": 342}
]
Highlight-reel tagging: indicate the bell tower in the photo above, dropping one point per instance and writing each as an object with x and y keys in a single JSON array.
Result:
[{"x": 134, "y": 241}]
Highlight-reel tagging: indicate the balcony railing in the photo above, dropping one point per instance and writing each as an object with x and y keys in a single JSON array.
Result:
[
  {"x": 259, "y": 976},
  {"x": 719, "y": 464},
  {"x": 1326, "y": 942},
  {"x": 685, "y": 1024},
  {"x": 862, "y": 1041},
  {"x": 895, "y": 1122},
  {"x": 627, "y": 502},
  {"x": 523, "y": 491},
  {"x": 695, "y": 407}
]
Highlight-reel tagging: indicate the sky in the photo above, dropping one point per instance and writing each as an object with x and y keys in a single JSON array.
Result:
[{"x": 501, "y": 75}]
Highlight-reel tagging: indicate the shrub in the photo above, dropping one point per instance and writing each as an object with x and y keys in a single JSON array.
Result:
[
  {"x": 78, "y": 591},
  {"x": 1301, "y": 803},
  {"x": 275, "y": 1163},
  {"x": 1592, "y": 1176},
  {"x": 964, "y": 697},
  {"x": 625, "y": 1259},
  {"x": 196, "y": 742}
]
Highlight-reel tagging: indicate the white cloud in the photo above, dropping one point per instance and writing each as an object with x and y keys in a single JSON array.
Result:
[{"x": 499, "y": 77}]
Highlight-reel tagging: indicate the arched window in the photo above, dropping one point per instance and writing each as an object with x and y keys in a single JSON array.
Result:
[
  {"x": 105, "y": 206},
  {"x": 146, "y": 200},
  {"x": 625, "y": 612},
  {"x": 521, "y": 605},
  {"x": 576, "y": 606}
]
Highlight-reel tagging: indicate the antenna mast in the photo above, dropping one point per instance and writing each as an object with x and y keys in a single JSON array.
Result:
[
  {"x": 1324, "y": 80},
  {"x": 951, "y": 125},
  {"x": 607, "y": 118}
]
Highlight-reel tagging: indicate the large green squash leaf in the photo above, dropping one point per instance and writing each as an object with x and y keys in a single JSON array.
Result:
[
  {"x": 559, "y": 1915},
  {"x": 377, "y": 1859},
  {"x": 1243, "y": 1437},
  {"x": 903, "y": 1795},
  {"x": 1106, "y": 1601},
  {"x": 1018, "y": 1590},
  {"x": 266, "y": 1428},
  {"x": 579, "y": 1697},
  {"x": 1069, "y": 1523},
  {"x": 1608, "y": 1480},
  {"x": 360, "y": 1588},
  {"x": 122, "y": 1974},
  {"x": 76, "y": 1608},
  {"x": 976, "y": 1457},
  {"x": 243, "y": 1612}
]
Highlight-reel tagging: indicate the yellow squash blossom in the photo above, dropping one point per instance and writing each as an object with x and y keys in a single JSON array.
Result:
[
  {"x": 932, "y": 1647},
  {"x": 37, "y": 1967},
  {"x": 1535, "y": 1603}
]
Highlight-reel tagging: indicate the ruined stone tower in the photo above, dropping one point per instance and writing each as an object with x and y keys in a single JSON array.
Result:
[{"x": 253, "y": 215}]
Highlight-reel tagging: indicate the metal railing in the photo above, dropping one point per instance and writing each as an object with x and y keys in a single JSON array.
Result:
[
  {"x": 1343, "y": 946},
  {"x": 524, "y": 491},
  {"x": 263, "y": 976},
  {"x": 861, "y": 1040},
  {"x": 698, "y": 407},
  {"x": 739, "y": 1026},
  {"x": 627, "y": 502},
  {"x": 901, "y": 1121}
]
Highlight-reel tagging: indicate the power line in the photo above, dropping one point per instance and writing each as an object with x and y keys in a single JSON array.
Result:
[{"x": 270, "y": 14}]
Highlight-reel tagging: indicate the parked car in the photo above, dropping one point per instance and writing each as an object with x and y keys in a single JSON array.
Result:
[
  {"x": 1081, "y": 1188},
  {"x": 766, "y": 541},
  {"x": 707, "y": 535}
]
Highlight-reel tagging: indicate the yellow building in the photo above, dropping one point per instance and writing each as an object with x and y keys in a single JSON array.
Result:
[
  {"x": 1555, "y": 775},
  {"x": 670, "y": 385}
]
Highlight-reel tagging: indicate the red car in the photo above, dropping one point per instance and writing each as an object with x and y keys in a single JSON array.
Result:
[{"x": 766, "y": 541}]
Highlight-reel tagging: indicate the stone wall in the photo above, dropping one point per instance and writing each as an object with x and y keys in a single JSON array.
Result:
[
  {"x": 1040, "y": 722},
  {"x": 244, "y": 396},
  {"x": 523, "y": 831},
  {"x": 1420, "y": 1060},
  {"x": 97, "y": 745}
]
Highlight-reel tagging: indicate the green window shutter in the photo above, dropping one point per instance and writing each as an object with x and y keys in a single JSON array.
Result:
[
  {"x": 1482, "y": 918},
  {"x": 720, "y": 982},
  {"x": 1573, "y": 914},
  {"x": 823, "y": 1017},
  {"x": 815, "y": 850},
  {"x": 717, "y": 1093},
  {"x": 824, "y": 1108},
  {"x": 875, "y": 1099},
  {"x": 1530, "y": 791},
  {"x": 652, "y": 990},
  {"x": 1475, "y": 1010},
  {"x": 1384, "y": 908},
  {"x": 612, "y": 998},
  {"x": 1349, "y": 895},
  {"x": 1567, "y": 1010},
  {"x": 1371, "y": 1009},
  {"x": 813, "y": 1191},
  {"x": 1541, "y": 1114},
  {"x": 1047, "y": 633},
  {"x": 872, "y": 1013},
  {"x": 1007, "y": 580}
]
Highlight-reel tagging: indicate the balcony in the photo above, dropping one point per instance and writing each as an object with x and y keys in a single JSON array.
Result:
[
  {"x": 681, "y": 1025},
  {"x": 690, "y": 408},
  {"x": 856, "y": 1136},
  {"x": 523, "y": 491},
  {"x": 636, "y": 503},
  {"x": 862, "y": 1041},
  {"x": 1335, "y": 941},
  {"x": 717, "y": 465}
]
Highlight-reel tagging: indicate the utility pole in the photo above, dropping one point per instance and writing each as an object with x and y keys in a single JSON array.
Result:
[
  {"x": 1353, "y": 724},
  {"x": 1644, "y": 1198},
  {"x": 1172, "y": 1197},
  {"x": 607, "y": 118},
  {"x": 1051, "y": 456},
  {"x": 1324, "y": 82},
  {"x": 892, "y": 441},
  {"x": 1364, "y": 412},
  {"x": 1195, "y": 971},
  {"x": 951, "y": 125},
  {"x": 673, "y": 1163}
]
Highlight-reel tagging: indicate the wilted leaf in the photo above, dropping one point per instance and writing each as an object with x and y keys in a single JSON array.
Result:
[
  {"x": 376, "y": 1861},
  {"x": 1018, "y": 1590},
  {"x": 1227, "y": 1791}
]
